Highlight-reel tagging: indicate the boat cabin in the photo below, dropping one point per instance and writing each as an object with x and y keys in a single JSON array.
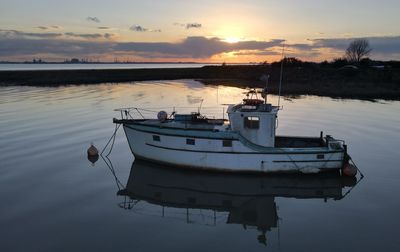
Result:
[{"x": 255, "y": 121}]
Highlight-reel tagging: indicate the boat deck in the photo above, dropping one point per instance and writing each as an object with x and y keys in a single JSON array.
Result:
[{"x": 298, "y": 142}]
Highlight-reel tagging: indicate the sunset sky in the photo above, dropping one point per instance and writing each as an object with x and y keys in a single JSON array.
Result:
[{"x": 201, "y": 31}]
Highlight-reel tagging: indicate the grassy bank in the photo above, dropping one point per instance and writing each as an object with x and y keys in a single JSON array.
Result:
[{"x": 313, "y": 79}]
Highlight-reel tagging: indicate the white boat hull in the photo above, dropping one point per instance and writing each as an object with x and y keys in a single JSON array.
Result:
[{"x": 208, "y": 153}]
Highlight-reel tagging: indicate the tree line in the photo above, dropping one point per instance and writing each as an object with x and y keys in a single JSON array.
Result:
[{"x": 356, "y": 55}]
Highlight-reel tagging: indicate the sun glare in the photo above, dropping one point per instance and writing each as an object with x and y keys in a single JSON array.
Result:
[{"x": 232, "y": 39}]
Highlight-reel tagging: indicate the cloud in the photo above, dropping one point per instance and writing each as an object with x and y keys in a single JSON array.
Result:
[
  {"x": 108, "y": 35},
  {"x": 189, "y": 25},
  {"x": 41, "y": 27},
  {"x": 383, "y": 47},
  {"x": 191, "y": 47},
  {"x": 60, "y": 47},
  {"x": 386, "y": 44},
  {"x": 84, "y": 35},
  {"x": 13, "y": 34},
  {"x": 266, "y": 52},
  {"x": 103, "y": 27},
  {"x": 139, "y": 28},
  {"x": 193, "y": 25},
  {"x": 300, "y": 46},
  {"x": 18, "y": 43},
  {"x": 89, "y": 35},
  {"x": 93, "y": 19},
  {"x": 195, "y": 47},
  {"x": 20, "y": 34}
]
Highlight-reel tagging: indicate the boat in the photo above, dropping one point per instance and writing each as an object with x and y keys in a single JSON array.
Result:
[
  {"x": 211, "y": 198},
  {"x": 245, "y": 142}
]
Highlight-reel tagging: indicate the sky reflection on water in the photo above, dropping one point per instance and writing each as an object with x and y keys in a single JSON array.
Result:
[{"x": 54, "y": 199}]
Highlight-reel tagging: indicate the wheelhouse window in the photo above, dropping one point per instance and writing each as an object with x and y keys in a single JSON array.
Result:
[
  {"x": 190, "y": 141},
  {"x": 156, "y": 138},
  {"x": 227, "y": 143},
  {"x": 252, "y": 122}
]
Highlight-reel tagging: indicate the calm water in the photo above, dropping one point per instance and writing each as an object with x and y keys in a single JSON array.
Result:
[
  {"x": 54, "y": 199},
  {"x": 16, "y": 67}
]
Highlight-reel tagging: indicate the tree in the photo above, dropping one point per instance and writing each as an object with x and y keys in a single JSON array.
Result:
[
  {"x": 339, "y": 62},
  {"x": 292, "y": 61},
  {"x": 357, "y": 50},
  {"x": 288, "y": 61}
]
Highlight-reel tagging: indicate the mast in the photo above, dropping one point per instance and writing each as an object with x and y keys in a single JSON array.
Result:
[
  {"x": 280, "y": 79},
  {"x": 265, "y": 77},
  {"x": 266, "y": 89}
]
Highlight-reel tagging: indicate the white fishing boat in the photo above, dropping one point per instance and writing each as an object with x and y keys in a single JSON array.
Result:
[{"x": 246, "y": 142}]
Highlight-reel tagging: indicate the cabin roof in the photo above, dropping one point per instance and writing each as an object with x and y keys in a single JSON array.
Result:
[{"x": 267, "y": 108}]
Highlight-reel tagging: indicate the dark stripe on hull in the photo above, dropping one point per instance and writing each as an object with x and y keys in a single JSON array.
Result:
[
  {"x": 306, "y": 161},
  {"x": 247, "y": 153}
]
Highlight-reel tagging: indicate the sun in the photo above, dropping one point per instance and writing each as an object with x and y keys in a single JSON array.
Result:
[{"x": 232, "y": 39}]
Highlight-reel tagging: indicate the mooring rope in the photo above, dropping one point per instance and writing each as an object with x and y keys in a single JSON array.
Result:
[
  {"x": 108, "y": 161},
  {"x": 113, "y": 140}
]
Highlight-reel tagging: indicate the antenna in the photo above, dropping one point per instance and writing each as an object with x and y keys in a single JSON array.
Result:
[
  {"x": 217, "y": 94},
  {"x": 280, "y": 79},
  {"x": 201, "y": 103},
  {"x": 265, "y": 77},
  {"x": 266, "y": 89}
]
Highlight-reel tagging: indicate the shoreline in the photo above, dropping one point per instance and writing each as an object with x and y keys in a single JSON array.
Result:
[{"x": 366, "y": 84}]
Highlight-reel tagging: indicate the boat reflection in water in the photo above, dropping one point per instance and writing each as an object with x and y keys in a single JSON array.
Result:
[{"x": 245, "y": 199}]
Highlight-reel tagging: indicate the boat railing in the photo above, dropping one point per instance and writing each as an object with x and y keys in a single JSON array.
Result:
[
  {"x": 151, "y": 113},
  {"x": 197, "y": 216}
]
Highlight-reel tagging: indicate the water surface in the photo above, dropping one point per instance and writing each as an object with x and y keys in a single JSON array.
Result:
[{"x": 54, "y": 199}]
